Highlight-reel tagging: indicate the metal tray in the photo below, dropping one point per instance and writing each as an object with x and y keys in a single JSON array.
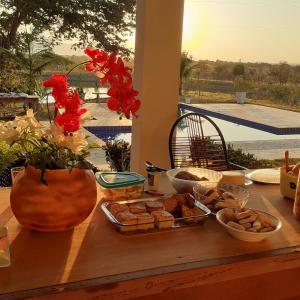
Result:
[{"x": 178, "y": 222}]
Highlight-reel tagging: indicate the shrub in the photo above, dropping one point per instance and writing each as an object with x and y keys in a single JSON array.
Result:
[
  {"x": 117, "y": 154},
  {"x": 248, "y": 160},
  {"x": 11, "y": 76},
  {"x": 8, "y": 155}
]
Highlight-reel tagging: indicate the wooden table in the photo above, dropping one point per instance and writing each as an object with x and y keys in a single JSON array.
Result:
[{"x": 96, "y": 262}]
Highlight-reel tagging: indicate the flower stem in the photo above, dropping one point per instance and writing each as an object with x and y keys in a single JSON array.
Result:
[
  {"x": 76, "y": 67},
  {"x": 48, "y": 109}
]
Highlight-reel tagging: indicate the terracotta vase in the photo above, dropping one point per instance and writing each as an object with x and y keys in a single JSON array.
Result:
[{"x": 65, "y": 202}]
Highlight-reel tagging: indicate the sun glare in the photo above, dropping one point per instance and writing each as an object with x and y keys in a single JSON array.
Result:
[{"x": 195, "y": 28}]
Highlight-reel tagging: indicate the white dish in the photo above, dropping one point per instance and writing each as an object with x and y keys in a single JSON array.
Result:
[
  {"x": 186, "y": 186},
  {"x": 270, "y": 176},
  {"x": 246, "y": 235}
]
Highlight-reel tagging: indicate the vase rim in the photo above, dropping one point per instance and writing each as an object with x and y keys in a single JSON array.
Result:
[{"x": 34, "y": 169}]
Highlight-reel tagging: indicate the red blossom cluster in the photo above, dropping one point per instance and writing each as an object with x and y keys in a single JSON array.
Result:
[
  {"x": 112, "y": 70},
  {"x": 68, "y": 99}
]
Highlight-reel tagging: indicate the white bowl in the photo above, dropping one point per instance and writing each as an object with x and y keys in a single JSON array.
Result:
[
  {"x": 248, "y": 236},
  {"x": 186, "y": 186}
]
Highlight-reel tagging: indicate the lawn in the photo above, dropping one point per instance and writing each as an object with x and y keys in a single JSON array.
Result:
[{"x": 210, "y": 97}]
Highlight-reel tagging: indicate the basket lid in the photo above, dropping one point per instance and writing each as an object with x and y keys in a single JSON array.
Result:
[{"x": 114, "y": 180}]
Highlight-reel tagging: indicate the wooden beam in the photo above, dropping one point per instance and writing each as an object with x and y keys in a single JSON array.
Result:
[{"x": 156, "y": 77}]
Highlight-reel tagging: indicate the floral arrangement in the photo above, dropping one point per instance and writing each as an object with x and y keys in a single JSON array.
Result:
[
  {"x": 117, "y": 154},
  {"x": 63, "y": 146},
  {"x": 111, "y": 69}
]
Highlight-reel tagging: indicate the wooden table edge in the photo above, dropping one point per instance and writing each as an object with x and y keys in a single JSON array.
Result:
[{"x": 275, "y": 260}]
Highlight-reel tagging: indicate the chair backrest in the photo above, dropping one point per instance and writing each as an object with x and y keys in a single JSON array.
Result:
[{"x": 195, "y": 140}]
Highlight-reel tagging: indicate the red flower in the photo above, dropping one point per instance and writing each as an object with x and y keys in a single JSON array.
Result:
[
  {"x": 70, "y": 119},
  {"x": 99, "y": 58},
  {"x": 121, "y": 92},
  {"x": 122, "y": 95},
  {"x": 113, "y": 104},
  {"x": 68, "y": 122},
  {"x": 59, "y": 85},
  {"x": 59, "y": 81}
]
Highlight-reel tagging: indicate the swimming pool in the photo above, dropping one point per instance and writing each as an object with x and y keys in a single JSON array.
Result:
[{"x": 232, "y": 132}]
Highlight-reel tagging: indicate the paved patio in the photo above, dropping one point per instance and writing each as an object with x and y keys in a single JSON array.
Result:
[
  {"x": 273, "y": 120},
  {"x": 102, "y": 116}
]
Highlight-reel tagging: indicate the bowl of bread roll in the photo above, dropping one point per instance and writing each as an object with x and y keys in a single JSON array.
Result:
[
  {"x": 218, "y": 196},
  {"x": 184, "y": 179},
  {"x": 249, "y": 225}
]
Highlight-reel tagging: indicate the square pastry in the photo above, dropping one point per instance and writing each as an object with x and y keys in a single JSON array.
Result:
[
  {"x": 137, "y": 208},
  {"x": 154, "y": 206},
  {"x": 163, "y": 219},
  {"x": 127, "y": 218},
  {"x": 145, "y": 221}
]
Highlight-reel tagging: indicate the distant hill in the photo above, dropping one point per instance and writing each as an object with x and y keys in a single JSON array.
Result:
[{"x": 75, "y": 59}]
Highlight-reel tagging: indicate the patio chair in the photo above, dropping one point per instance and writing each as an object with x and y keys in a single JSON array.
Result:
[{"x": 195, "y": 140}]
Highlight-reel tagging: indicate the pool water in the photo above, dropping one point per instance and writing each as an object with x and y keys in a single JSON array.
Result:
[{"x": 233, "y": 133}]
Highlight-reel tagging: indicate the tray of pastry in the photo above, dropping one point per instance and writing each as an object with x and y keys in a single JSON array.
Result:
[{"x": 155, "y": 214}]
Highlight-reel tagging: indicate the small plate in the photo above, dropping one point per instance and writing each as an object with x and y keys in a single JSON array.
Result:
[{"x": 268, "y": 176}]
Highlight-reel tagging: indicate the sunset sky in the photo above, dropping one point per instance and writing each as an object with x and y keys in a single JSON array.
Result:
[{"x": 246, "y": 30}]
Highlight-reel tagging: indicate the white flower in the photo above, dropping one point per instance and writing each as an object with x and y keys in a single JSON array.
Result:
[
  {"x": 40, "y": 133},
  {"x": 55, "y": 129},
  {"x": 31, "y": 120},
  {"x": 8, "y": 133},
  {"x": 55, "y": 134},
  {"x": 25, "y": 122},
  {"x": 11, "y": 131},
  {"x": 20, "y": 124},
  {"x": 75, "y": 142}
]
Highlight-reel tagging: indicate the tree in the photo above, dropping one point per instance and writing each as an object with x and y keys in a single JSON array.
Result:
[
  {"x": 186, "y": 67},
  {"x": 30, "y": 62},
  {"x": 238, "y": 70},
  {"x": 101, "y": 23},
  {"x": 222, "y": 71},
  {"x": 281, "y": 72},
  {"x": 200, "y": 69}
]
